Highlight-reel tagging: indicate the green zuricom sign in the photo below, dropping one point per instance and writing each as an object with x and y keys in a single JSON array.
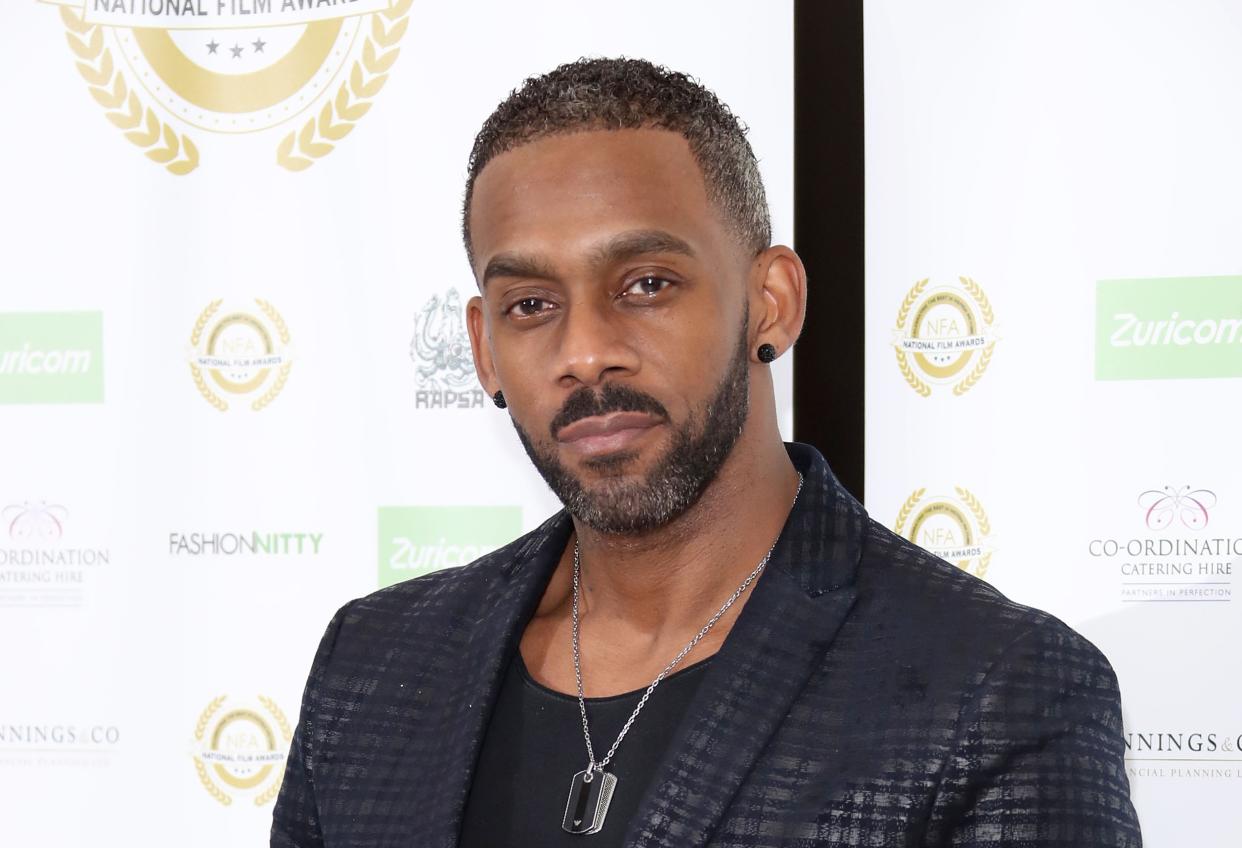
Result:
[
  {"x": 51, "y": 357},
  {"x": 417, "y": 540},
  {"x": 1168, "y": 328}
]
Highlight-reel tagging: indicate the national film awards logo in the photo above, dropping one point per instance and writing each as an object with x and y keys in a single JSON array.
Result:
[
  {"x": 298, "y": 74},
  {"x": 945, "y": 336},
  {"x": 953, "y": 527},
  {"x": 240, "y": 749},
  {"x": 440, "y": 350},
  {"x": 240, "y": 354}
]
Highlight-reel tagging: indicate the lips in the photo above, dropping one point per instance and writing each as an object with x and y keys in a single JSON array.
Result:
[{"x": 601, "y": 434}]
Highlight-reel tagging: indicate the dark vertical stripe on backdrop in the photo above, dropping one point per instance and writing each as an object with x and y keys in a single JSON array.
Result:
[{"x": 829, "y": 230}]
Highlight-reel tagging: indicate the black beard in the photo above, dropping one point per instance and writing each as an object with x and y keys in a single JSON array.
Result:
[{"x": 678, "y": 478}]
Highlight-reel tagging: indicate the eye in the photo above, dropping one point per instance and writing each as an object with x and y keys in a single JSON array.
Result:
[
  {"x": 647, "y": 286},
  {"x": 529, "y": 306}
]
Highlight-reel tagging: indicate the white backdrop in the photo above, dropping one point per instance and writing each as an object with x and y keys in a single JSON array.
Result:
[
  {"x": 1050, "y": 169},
  {"x": 226, "y": 322}
]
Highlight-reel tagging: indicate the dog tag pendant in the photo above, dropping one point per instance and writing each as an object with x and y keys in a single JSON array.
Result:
[{"x": 588, "y": 801}]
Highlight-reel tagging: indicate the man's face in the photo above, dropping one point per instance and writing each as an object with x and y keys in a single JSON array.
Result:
[{"x": 614, "y": 316}]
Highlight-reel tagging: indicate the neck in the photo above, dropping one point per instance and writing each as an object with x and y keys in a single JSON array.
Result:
[
  {"x": 668, "y": 582},
  {"x": 644, "y": 597}
]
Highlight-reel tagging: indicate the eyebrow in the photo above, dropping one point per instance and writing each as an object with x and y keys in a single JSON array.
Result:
[
  {"x": 619, "y": 248},
  {"x": 639, "y": 243}
]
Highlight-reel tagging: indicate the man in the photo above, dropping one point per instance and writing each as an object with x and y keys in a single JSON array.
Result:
[{"x": 713, "y": 644}]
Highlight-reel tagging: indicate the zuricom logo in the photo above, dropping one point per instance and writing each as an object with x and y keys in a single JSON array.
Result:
[
  {"x": 1168, "y": 328},
  {"x": 51, "y": 357},
  {"x": 417, "y": 540}
]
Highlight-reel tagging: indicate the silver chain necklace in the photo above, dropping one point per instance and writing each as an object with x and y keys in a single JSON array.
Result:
[{"x": 585, "y": 795}]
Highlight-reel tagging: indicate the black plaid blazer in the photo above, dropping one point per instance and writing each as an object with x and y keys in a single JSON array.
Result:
[{"x": 869, "y": 694}]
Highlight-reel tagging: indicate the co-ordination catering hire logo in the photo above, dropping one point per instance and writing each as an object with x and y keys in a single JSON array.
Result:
[
  {"x": 945, "y": 336},
  {"x": 240, "y": 354},
  {"x": 440, "y": 350},
  {"x": 954, "y": 527},
  {"x": 41, "y": 564},
  {"x": 240, "y": 747},
  {"x": 288, "y": 79},
  {"x": 1172, "y": 551}
]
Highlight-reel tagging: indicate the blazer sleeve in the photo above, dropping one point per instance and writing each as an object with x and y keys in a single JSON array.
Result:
[
  {"x": 1039, "y": 755},
  {"x": 295, "y": 818}
]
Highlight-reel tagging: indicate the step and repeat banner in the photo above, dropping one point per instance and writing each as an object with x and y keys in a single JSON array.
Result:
[
  {"x": 1054, "y": 344},
  {"x": 235, "y": 385}
]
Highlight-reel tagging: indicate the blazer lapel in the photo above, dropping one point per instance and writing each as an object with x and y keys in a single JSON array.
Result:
[
  {"x": 779, "y": 640},
  {"x": 493, "y": 632}
]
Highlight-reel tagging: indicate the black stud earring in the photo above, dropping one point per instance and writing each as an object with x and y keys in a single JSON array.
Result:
[
  {"x": 767, "y": 352},
  {"x": 499, "y": 400}
]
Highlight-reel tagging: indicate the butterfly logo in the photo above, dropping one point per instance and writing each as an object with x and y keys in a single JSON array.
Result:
[
  {"x": 35, "y": 522},
  {"x": 1164, "y": 506}
]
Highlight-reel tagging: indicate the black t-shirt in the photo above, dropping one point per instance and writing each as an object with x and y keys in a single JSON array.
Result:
[{"x": 534, "y": 747}]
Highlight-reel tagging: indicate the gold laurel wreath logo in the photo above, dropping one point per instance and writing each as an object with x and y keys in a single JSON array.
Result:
[
  {"x": 336, "y": 119},
  {"x": 903, "y": 363},
  {"x": 972, "y": 503},
  {"x": 913, "y": 380},
  {"x": 282, "y": 330},
  {"x": 199, "y": 730},
  {"x": 296, "y": 152},
  {"x": 204, "y": 777},
  {"x": 125, "y": 109},
  {"x": 200, "y": 382},
  {"x": 196, "y": 336},
  {"x": 906, "y": 508},
  {"x": 285, "y": 731},
  {"x": 985, "y": 306},
  {"x": 981, "y": 519}
]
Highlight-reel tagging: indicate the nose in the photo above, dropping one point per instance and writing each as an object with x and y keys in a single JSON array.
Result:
[{"x": 593, "y": 345}]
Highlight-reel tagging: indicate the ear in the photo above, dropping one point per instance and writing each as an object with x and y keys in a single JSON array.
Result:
[
  {"x": 480, "y": 345},
  {"x": 779, "y": 287}
]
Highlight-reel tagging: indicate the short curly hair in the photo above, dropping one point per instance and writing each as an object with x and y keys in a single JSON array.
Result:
[{"x": 625, "y": 93}]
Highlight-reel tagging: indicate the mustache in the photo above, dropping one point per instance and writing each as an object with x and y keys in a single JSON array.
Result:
[{"x": 614, "y": 397}]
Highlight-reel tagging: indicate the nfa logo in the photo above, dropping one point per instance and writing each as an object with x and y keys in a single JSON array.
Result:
[
  {"x": 1179, "y": 559},
  {"x": 291, "y": 76},
  {"x": 945, "y": 336},
  {"x": 240, "y": 354},
  {"x": 240, "y": 749},
  {"x": 955, "y": 529},
  {"x": 440, "y": 350},
  {"x": 37, "y": 567},
  {"x": 417, "y": 540},
  {"x": 1168, "y": 328},
  {"x": 51, "y": 357}
]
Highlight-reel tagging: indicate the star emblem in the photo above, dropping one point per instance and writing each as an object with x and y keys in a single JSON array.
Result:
[
  {"x": 212, "y": 45},
  {"x": 259, "y": 45},
  {"x": 237, "y": 51}
]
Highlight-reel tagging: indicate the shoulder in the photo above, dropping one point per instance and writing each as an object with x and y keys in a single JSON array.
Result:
[
  {"x": 964, "y": 620},
  {"x": 433, "y": 604}
]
